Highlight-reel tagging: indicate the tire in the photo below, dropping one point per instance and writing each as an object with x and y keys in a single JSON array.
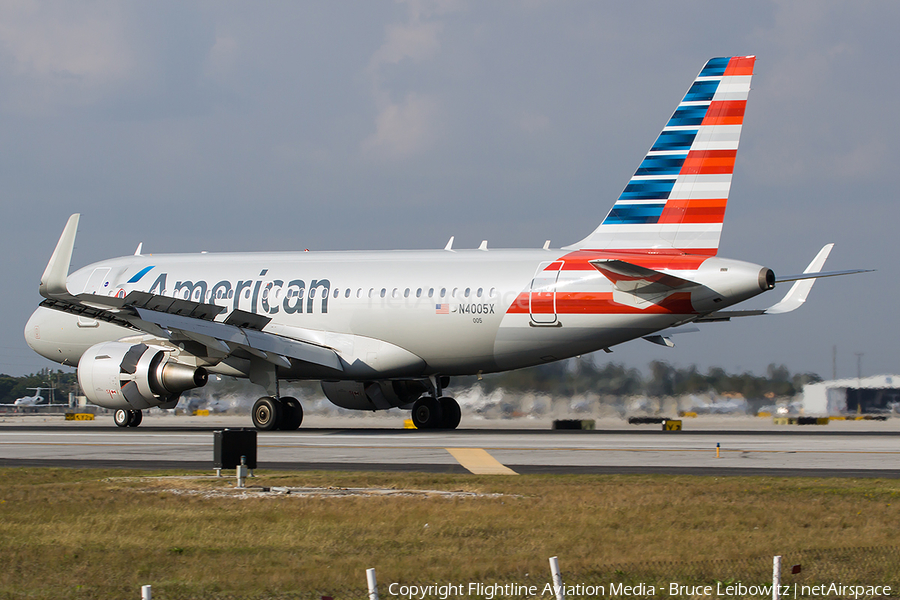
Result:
[
  {"x": 426, "y": 413},
  {"x": 292, "y": 415},
  {"x": 451, "y": 413},
  {"x": 122, "y": 417},
  {"x": 136, "y": 418},
  {"x": 266, "y": 413}
]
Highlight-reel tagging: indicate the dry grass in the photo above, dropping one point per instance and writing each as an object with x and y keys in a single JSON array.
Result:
[{"x": 101, "y": 534}]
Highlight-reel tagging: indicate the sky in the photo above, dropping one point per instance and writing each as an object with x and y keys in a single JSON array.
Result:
[{"x": 238, "y": 126}]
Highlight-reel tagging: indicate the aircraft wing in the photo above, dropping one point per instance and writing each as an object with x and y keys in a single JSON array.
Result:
[
  {"x": 177, "y": 319},
  {"x": 173, "y": 319}
]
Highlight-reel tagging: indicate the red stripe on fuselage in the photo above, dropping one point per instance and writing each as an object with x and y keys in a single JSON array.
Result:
[{"x": 598, "y": 303}]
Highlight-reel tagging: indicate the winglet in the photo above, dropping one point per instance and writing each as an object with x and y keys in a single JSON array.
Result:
[
  {"x": 796, "y": 296},
  {"x": 53, "y": 281}
]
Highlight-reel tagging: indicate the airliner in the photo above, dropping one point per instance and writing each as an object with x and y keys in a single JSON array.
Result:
[{"x": 387, "y": 329}]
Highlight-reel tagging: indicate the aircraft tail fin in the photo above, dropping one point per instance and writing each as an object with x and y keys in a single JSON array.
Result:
[{"x": 676, "y": 198}]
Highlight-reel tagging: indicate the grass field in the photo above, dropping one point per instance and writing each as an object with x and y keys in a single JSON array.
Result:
[{"x": 68, "y": 533}]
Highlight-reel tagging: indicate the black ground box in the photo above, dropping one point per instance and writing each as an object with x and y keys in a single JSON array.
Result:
[{"x": 229, "y": 445}]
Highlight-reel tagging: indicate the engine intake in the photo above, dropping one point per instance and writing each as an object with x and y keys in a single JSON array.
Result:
[{"x": 135, "y": 376}]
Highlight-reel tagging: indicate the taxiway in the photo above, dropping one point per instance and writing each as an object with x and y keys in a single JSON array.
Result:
[{"x": 746, "y": 446}]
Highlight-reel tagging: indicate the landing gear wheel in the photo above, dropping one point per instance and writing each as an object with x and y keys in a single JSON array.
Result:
[
  {"x": 266, "y": 413},
  {"x": 291, "y": 415},
  {"x": 451, "y": 413},
  {"x": 426, "y": 413},
  {"x": 136, "y": 418},
  {"x": 122, "y": 418}
]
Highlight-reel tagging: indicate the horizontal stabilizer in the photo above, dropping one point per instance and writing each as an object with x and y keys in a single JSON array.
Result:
[
  {"x": 798, "y": 293},
  {"x": 634, "y": 279},
  {"x": 795, "y": 297}
]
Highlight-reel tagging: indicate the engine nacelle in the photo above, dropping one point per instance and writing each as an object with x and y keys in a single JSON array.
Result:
[
  {"x": 135, "y": 376},
  {"x": 373, "y": 395}
]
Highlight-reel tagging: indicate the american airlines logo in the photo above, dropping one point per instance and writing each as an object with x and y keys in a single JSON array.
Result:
[{"x": 258, "y": 296}]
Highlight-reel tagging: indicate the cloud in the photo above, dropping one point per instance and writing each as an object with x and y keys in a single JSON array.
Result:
[
  {"x": 405, "y": 127},
  {"x": 415, "y": 40},
  {"x": 61, "y": 54},
  {"x": 402, "y": 129}
]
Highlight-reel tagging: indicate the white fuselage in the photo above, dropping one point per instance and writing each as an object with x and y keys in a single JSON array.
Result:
[{"x": 408, "y": 314}]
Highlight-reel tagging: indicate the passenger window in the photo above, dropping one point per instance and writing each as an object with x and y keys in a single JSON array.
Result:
[
  {"x": 406, "y": 293},
  {"x": 431, "y": 292},
  {"x": 371, "y": 292},
  {"x": 383, "y": 292},
  {"x": 347, "y": 293},
  {"x": 453, "y": 293},
  {"x": 443, "y": 292},
  {"x": 336, "y": 292},
  {"x": 478, "y": 293},
  {"x": 467, "y": 292},
  {"x": 395, "y": 293},
  {"x": 419, "y": 293}
]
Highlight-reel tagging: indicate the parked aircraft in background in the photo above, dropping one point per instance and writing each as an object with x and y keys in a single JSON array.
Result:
[
  {"x": 30, "y": 400},
  {"x": 390, "y": 328},
  {"x": 37, "y": 399}
]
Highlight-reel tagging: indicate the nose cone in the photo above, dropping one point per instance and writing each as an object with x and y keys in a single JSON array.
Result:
[
  {"x": 33, "y": 332},
  {"x": 63, "y": 337},
  {"x": 49, "y": 333},
  {"x": 39, "y": 334}
]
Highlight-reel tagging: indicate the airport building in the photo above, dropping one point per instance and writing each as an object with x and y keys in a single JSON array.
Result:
[{"x": 879, "y": 394}]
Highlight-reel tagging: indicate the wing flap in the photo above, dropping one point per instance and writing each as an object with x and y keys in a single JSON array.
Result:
[{"x": 248, "y": 339}]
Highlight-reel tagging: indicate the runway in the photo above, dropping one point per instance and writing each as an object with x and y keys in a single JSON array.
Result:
[{"x": 746, "y": 447}]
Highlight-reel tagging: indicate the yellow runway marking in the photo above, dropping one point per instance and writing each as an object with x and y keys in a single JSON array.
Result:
[{"x": 479, "y": 462}]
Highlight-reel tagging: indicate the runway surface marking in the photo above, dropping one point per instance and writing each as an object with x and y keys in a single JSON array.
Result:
[{"x": 479, "y": 462}]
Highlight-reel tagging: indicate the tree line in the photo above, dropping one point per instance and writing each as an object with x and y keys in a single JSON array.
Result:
[
  {"x": 570, "y": 377},
  {"x": 14, "y": 387},
  {"x": 577, "y": 376}
]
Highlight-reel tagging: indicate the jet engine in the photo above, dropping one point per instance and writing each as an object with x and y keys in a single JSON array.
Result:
[
  {"x": 373, "y": 395},
  {"x": 135, "y": 376}
]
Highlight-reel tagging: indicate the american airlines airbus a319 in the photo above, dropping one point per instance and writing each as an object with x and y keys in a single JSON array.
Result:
[{"x": 391, "y": 328}]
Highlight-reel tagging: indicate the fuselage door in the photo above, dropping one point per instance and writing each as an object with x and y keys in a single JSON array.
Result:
[{"x": 542, "y": 299}]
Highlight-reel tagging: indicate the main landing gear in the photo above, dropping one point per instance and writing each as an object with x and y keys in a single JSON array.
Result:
[
  {"x": 283, "y": 413},
  {"x": 436, "y": 413},
  {"x": 128, "y": 418}
]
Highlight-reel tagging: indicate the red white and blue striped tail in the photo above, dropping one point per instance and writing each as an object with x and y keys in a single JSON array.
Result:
[{"x": 676, "y": 198}]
